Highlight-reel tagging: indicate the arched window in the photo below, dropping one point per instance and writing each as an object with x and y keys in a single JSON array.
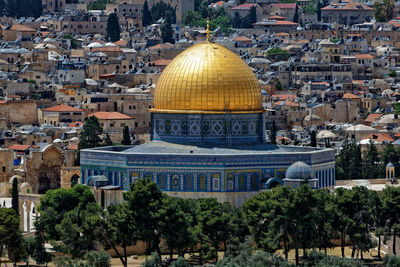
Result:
[
  {"x": 216, "y": 182},
  {"x": 162, "y": 181},
  {"x": 242, "y": 182},
  {"x": 254, "y": 182},
  {"x": 134, "y": 177},
  {"x": 202, "y": 182},
  {"x": 231, "y": 182},
  {"x": 188, "y": 182}
]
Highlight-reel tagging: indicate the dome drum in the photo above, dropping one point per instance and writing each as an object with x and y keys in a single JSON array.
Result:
[{"x": 208, "y": 128}]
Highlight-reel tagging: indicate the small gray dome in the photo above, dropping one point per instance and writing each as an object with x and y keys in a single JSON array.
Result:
[
  {"x": 299, "y": 170},
  {"x": 389, "y": 165}
]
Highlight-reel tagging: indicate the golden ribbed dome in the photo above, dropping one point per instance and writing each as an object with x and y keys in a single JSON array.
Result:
[{"x": 207, "y": 78}]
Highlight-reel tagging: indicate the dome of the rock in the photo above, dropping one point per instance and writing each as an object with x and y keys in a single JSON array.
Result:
[{"x": 207, "y": 78}]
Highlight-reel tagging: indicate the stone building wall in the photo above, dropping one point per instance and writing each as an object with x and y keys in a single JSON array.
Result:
[
  {"x": 19, "y": 111},
  {"x": 6, "y": 164}
]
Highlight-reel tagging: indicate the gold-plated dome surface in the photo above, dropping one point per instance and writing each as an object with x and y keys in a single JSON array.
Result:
[{"x": 207, "y": 78}]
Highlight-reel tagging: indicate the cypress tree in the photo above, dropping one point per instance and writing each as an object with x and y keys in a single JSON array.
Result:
[
  {"x": 237, "y": 20},
  {"x": 146, "y": 19},
  {"x": 14, "y": 195},
  {"x": 2, "y": 7},
  {"x": 313, "y": 139},
  {"x": 167, "y": 33},
  {"x": 36, "y": 8},
  {"x": 126, "y": 140},
  {"x": 11, "y": 8},
  {"x": 296, "y": 14},
  {"x": 113, "y": 29}
]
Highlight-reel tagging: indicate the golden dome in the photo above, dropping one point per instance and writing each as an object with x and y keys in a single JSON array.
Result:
[{"x": 207, "y": 78}]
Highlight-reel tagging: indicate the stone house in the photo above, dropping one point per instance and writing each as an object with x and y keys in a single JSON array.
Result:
[
  {"x": 346, "y": 12},
  {"x": 113, "y": 123},
  {"x": 61, "y": 113}
]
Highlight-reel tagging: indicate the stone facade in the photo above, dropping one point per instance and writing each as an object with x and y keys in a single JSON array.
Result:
[{"x": 19, "y": 112}]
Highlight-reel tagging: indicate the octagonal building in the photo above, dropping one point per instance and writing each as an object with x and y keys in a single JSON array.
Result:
[{"x": 207, "y": 137}]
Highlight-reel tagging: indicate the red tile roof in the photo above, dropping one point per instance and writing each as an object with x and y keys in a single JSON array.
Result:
[
  {"x": 350, "y": 96},
  {"x": 276, "y": 17},
  {"x": 380, "y": 137},
  {"x": 75, "y": 124},
  {"x": 161, "y": 46},
  {"x": 218, "y": 4},
  {"x": 244, "y": 7},
  {"x": 364, "y": 56},
  {"x": 73, "y": 147},
  {"x": 21, "y": 28},
  {"x": 372, "y": 117},
  {"x": 350, "y": 5},
  {"x": 19, "y": 147},
  {"x": 282, "y": 34},
  {"x": 286, "y": 6},
  {"x": 161, "y": 62},
  {"x": 242, "y": 39},
  {"x": 101, "y": 115},
  {"x": 275, "y": 23},
  {"x": 63, "y": 108},
  {"x": 121, "y": 43}
]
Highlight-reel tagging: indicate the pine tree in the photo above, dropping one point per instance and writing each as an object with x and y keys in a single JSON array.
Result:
[
  {"x": 126, "y": 136},
  {"x": 167, "y": 33},
  {"x": 90, "y": 136},
  {"x": 146, "y": 19},
  {"x": 252, "y": 16},
  {"x": 370, "y": 162},
  {"x": 296, "y": 15},
  {"x": 113, "y": 29},
  {"x": 14, "y": 194}
]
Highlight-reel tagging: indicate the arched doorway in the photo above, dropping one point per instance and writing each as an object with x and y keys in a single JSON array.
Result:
[
  {"x": 74, "y": 180},
  {"x": 44, "y": 183}
]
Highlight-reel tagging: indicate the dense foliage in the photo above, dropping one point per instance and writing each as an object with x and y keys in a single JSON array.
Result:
[
  {"x": 21, "y": 8},
  {"x": 351, "y": 163},
  {"x": 278, "y": 54},
  {"x": 278, "y": 219}
]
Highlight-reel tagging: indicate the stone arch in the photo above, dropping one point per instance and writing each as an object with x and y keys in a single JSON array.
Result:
[
  {"x": 74, "y": 180},
  {"x": 273, "y": 182},
  {"x": 68, "y": 174},
  {"x": 50, "y": 169}
]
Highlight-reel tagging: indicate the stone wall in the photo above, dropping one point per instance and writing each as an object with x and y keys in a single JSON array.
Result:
[{"x": 19, "y": 111}]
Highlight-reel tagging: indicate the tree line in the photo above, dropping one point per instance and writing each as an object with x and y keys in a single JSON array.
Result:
[
  {"x": 278, "y": 219},
  {"x": 21, "y": 8},
  {"x": 352, "y": 163}
]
